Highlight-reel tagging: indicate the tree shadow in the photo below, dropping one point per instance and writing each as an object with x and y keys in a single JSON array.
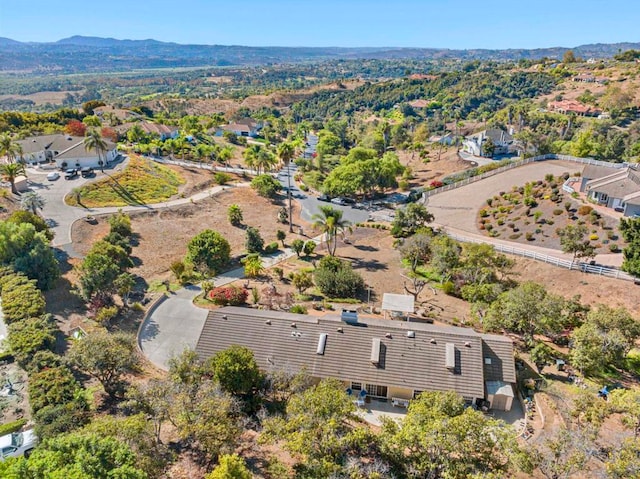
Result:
[
  {"x": 368, "y": 265},
  {"x": 366, "y": 248}
]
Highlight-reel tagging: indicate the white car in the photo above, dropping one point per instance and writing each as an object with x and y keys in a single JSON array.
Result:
[
  {"x": 53, "y": 176},
  {"x": 17, "y": 444}
]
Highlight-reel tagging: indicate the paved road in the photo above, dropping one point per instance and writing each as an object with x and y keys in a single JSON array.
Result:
[{"x": 176, "y": 323}]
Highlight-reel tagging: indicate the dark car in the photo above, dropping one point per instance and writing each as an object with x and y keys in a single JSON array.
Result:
[
  {"x": 86, "y": 172},
  {"x": 324, "y": 198},
  {"x": 70, "y": 173}
]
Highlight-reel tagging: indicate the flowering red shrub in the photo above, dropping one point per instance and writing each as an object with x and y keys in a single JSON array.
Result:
[
  {"x": 436, "y": 184},
  {"x": 228, "y": 296},
  {"x": 75, "y": 128}
]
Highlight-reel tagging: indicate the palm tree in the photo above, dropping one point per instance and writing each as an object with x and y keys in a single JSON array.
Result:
[
  {"x": 32, "y": 201},
  {"x": 251, "y": 157},
  {"x": 10, "y": 171},
  {"x": 94, "y": 141},
  {"x": 9, "y": 148},
  {"x": 286, "y": 151},
  {"x": 331, "y": 223}
]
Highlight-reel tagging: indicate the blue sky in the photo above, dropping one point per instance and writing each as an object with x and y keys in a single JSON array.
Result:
[{"x": 349, "y": 23}]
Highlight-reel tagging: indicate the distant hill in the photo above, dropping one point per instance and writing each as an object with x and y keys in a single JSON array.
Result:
[{"x": 95, "y": 54}]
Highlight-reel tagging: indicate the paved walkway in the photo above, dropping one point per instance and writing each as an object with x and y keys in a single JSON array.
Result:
[{"x": 175, "y": 323}]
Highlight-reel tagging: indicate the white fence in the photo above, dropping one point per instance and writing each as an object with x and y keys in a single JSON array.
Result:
[
  {"x": 515, "y": 164},
  {"x": 607, "y": 271}
]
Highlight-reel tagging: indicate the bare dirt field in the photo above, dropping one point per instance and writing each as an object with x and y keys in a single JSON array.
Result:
[
  {"x": 163, "y": 234},
  {"x": 41, "y": 98},
  {"x": 593, "y": 289},
  {"x": 436, "y": 168},
  {"x": 7, "y": 205}
]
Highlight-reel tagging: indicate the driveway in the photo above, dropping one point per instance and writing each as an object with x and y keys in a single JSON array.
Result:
[
  {"x": 59, "y": 216},
  {"x": 175, "y": 323}
]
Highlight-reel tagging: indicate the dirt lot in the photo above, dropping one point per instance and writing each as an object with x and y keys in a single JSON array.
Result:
[
  {"x": 593, "y": 289},
  {"x": 435, "y": 169},
  {"x": 163, "y": 234}
]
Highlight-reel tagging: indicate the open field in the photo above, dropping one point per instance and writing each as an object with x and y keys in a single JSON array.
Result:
[
  {"x": 163, "y": 234},
  {"x": 141, "y": 182}
]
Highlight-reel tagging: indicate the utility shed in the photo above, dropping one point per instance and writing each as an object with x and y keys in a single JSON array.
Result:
[
  {"x": 499, "y": 395},
  {"x": 399, "y": 305}
]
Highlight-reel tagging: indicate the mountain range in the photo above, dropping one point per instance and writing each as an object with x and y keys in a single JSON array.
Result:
[{"x": 82, "y": 54}]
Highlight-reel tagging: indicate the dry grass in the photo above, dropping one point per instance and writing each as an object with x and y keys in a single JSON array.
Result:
[{"x": 141, "y": 182}]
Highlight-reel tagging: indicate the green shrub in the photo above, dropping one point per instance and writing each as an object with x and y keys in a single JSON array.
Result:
[
  {"x": 106, "y": 314},
  {"x": 614, "y": 248},
  {"x": 271, "y": 248},
  {"x": 515, "y": 236},
  {"x": 21, "y": 298},
  {"x": 557, "y": 212},
  {"x": 28, "y": 336},
  {"x": 304, "y": 187},
  {"x": 529, "y": 236},
  {"x": 449, "y": 288},
  {"x": 309, "y": 248},
  {"x": 254, "y": 242},
  {"x": 593, "y": 237},
  {"x": 279, "y": 272},
  {"x": 234, "y": 213},
  {"x": 266, "y": 185},
  {"x": 298, "y": 309},
  {"x": 221, "y": 178},
  {"x": 12, "y": 426},
  {"x": 53, "y": 386},
  {"x": 335, "y": 278}
]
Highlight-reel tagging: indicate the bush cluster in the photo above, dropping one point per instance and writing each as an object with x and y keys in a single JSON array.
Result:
[
  {"x": 228, "y": 296},
  {"x": 336, "y": 278}
]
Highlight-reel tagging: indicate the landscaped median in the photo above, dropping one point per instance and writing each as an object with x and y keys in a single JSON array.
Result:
[{"x": 142, "y": 182}]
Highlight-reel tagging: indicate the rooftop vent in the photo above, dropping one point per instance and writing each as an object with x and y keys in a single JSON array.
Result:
[
  {"x": 375, "y": 350},
  {"x": 224, "y": 316},
  {"x": 340, "y": 330},
  {"x": 467, "y": 344},
  {"x": 322, "y": 343},
  {"x": 268, "y": 321},
  {"x": 293, "y": 325},
  {"x": 411, "y": 334},
  {"x": 450, "y": 356},
  {"x": 388, "y": 335},
  {"x": 487, "y": 360},
  {"x": 433, "y": 341}
]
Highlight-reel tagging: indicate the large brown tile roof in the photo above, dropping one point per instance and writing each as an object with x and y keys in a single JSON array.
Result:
[{"x": 416, "y": 362}]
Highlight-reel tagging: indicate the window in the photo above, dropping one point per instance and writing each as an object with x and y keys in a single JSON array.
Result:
[
  {"x": 356, "y": 386},
  {"x": 603, "y": 197},
  {"x": 376, "y": 391},
  {"x": 417, "y": 393}
]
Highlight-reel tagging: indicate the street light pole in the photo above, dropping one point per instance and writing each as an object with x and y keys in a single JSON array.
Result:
[{"x": 289, "y": 196}]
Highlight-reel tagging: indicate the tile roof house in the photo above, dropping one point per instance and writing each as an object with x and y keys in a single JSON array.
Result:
[
  {"x": 65, "y": 150},
  {"x": 619, "y": 189},
  {"x": 156, "y": 129},
  {"x": 243, "y": 127},
  {"x": 500, "y": 138},
  {"x": 388, "y": 359},
  {"x": 573, "y": 106}
]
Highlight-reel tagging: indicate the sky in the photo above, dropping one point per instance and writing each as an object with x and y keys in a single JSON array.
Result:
[{"x": 456, "y": 24}]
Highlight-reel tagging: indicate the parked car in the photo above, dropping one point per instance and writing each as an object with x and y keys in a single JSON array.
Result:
[
  {"x": 17, "y": 444},
  {"x": 339, "y": 201},
  {"x": 53, "y": 176},
  {"x": 70, "y": 173},
  {"x": 324, "y": 198},
  {"x": 86, "y": 172}
]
